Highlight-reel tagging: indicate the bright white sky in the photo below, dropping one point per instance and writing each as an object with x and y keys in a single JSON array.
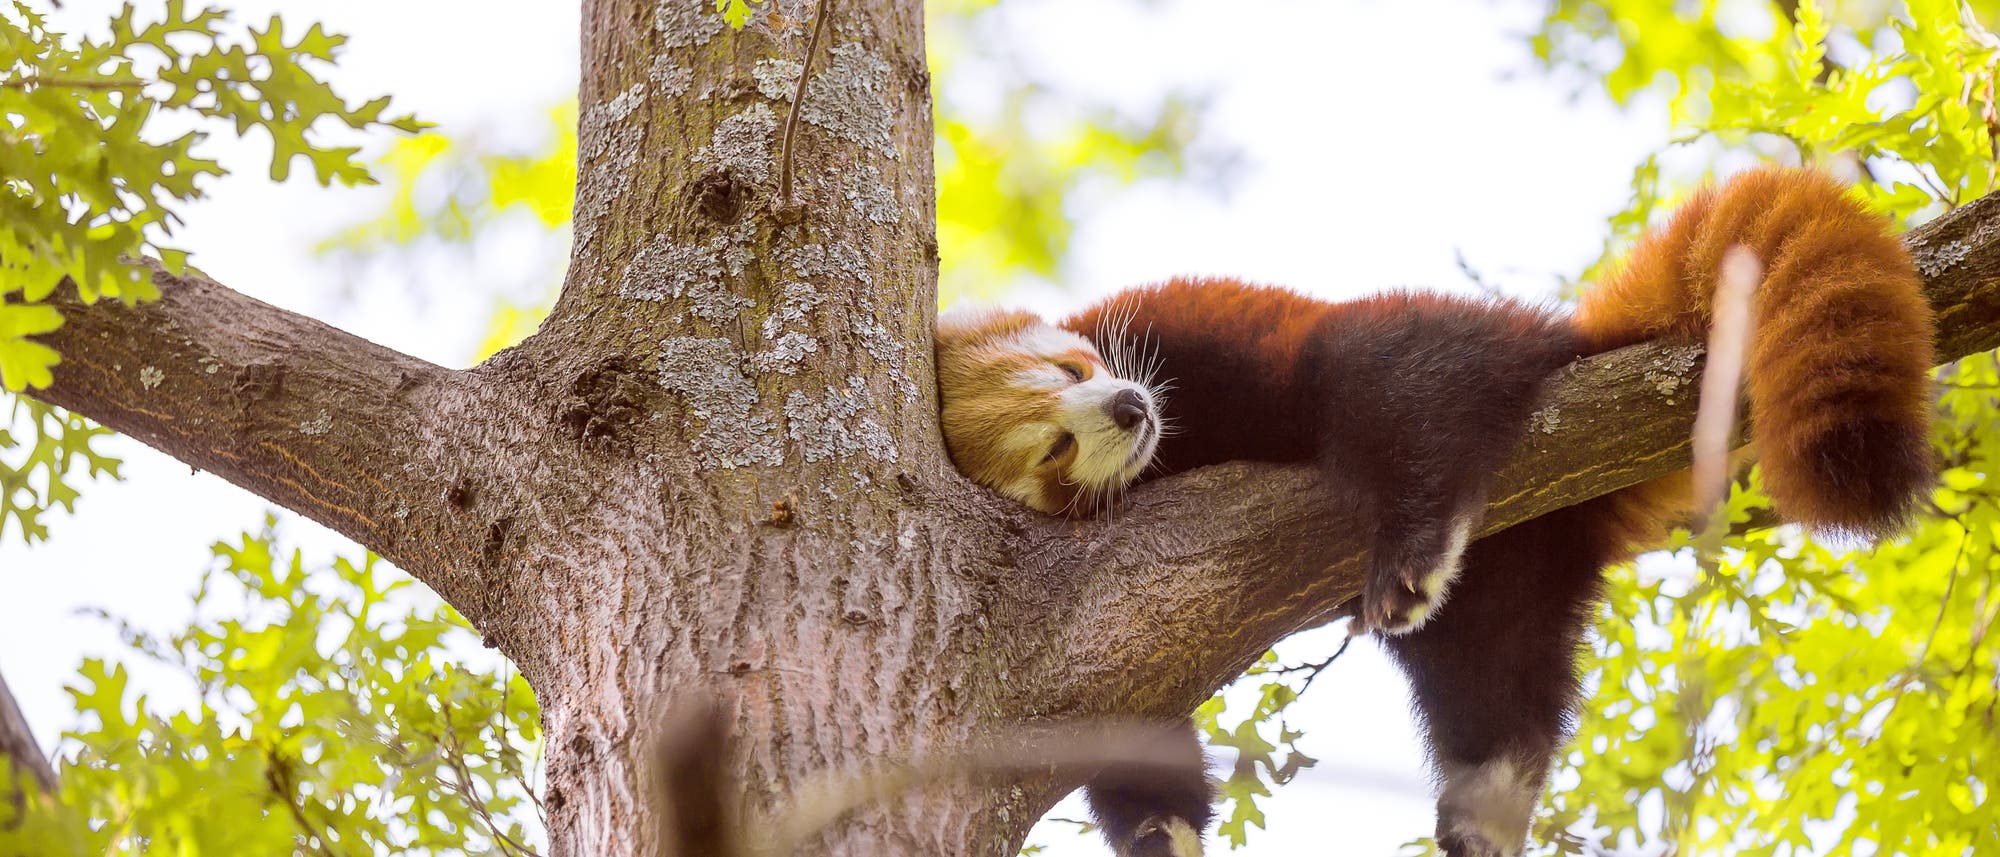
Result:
[{"x": 1381, "y": 138}]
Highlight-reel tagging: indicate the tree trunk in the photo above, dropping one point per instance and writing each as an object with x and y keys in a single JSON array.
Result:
[{"x": 716, "y": 472}]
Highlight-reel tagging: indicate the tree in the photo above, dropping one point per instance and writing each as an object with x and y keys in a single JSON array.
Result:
[{"x": 648, "y": 500}]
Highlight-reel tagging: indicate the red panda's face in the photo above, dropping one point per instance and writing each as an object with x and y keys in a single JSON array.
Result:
[{"x": 1033, "y": 411}]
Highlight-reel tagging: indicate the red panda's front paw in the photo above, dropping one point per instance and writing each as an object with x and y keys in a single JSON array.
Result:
[
  {"x": 1410, "y": 577},
  {"x": 1399, "y": 600}
]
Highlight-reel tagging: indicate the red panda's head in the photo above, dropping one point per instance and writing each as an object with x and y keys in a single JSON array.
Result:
[{"x": 1034, "y": 411}]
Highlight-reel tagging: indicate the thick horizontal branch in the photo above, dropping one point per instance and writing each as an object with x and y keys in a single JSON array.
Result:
[
  {"x": 1208, "y": 569},
  {"x": 346, "y": 432}
]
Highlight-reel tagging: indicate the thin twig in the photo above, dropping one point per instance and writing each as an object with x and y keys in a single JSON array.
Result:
[
  {"x": 1314, "y": 668},
  {"x": 280, "y": 780},
  {"x": 468, "y": 789},
  {"x": 798, "y": 99}
]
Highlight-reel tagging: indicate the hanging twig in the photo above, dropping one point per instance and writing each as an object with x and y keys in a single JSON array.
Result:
[{"x": 799, "y": 99}]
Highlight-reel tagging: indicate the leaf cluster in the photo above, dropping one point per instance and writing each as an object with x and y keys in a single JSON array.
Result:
[
  {"x": 99, "y": 154},
  {"x": 93, "y": 179},
  {"x": 35, "y": 471},
  {"x": 335, "y": 716}
]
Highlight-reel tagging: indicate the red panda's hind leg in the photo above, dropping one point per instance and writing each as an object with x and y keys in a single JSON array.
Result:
[
  {"x": 1159, "y": 809},
  {"x": 1493, "y": 674}
]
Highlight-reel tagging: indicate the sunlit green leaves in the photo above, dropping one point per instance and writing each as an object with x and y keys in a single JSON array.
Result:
[
  {"x": 1801, "y": 693},
  {"x": 1907, "y": 105},
  {"x": 93, "y": 181},
  {"x": 332, "y": 719},
  {"x": 99, "y": 140},
  {"x": 736, "y": 12},
  {"x": 41, "y": 448},
  {"x": 1004, "y": 185},
  {"x": 1265, "y": 745}
]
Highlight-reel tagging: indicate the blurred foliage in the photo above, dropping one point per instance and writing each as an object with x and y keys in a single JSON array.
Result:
[
  {"x": 99, "y": 151},
  {"x": 736, "y": 12},
  {"x": 333, "y": 717},
  {"x": 1012, "y": 153}
]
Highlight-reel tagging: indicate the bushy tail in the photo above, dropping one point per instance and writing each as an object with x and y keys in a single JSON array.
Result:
[{"x": 1838, "y": 372}]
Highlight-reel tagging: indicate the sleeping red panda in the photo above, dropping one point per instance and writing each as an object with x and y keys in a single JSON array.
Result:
[{"x": 1414, "y": 401}]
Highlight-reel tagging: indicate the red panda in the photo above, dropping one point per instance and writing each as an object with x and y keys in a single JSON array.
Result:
[{"x": 1414, "y": 401}]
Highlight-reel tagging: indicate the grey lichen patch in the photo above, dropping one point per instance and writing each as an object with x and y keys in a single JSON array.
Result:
[
  {"x": 150, "y": 377},
  {"x": 1545, "y": 421},
  {"x": 1668, "y": 373},
  {"x": 786, "y": 354},
  {"x": 698, "y": 273},
  {"x": 837, "y": 424},
  {"x": 882, "y": 344},
  {"x": 870, "y": 196},
  {"x": 607, "y": 147},
  {"x": 670, "y": 80},
  {"x": 848, "y": 98},
  {"x": 776, "y": 78},
  {"x": 1934, "y": 258},
  {"x": 708, "y": 376},
  {"x": 794, "y": 302},
  {"x": 626, "y": 102},
  {"x": 827, "y": 263},
  {"x": 686, "y": 22},
  {"x": 742, "y": 144},
  {"x": 1939, "y": 258},
  {"x": 320, "y": 424}
]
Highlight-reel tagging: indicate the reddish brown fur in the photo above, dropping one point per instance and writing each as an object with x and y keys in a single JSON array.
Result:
[
  {"x": 1414, "y": 400},
  {"x": 1839, "y": 366},
  {"x": 977, "y": 363}
]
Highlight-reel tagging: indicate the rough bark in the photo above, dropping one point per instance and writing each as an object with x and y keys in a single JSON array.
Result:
[
  {"x": 716, "y": 471},
  {"x": 20, "y": 757}
]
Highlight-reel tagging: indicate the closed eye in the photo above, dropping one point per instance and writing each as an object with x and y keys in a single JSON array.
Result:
[
  {"x": 1062, "y": 445},
  {"x": 1074, "y": 370}
]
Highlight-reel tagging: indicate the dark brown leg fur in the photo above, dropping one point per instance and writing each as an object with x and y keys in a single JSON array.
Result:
[{"x": 1494, "y": 675}]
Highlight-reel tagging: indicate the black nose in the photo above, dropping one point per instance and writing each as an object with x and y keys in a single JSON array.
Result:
[{"x": 1127, "y": 409}]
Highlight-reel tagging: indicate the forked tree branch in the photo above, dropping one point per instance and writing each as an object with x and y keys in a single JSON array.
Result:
[
  {"x": 1206, "y": 570},
  {"x": 346, "y": 432}
]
